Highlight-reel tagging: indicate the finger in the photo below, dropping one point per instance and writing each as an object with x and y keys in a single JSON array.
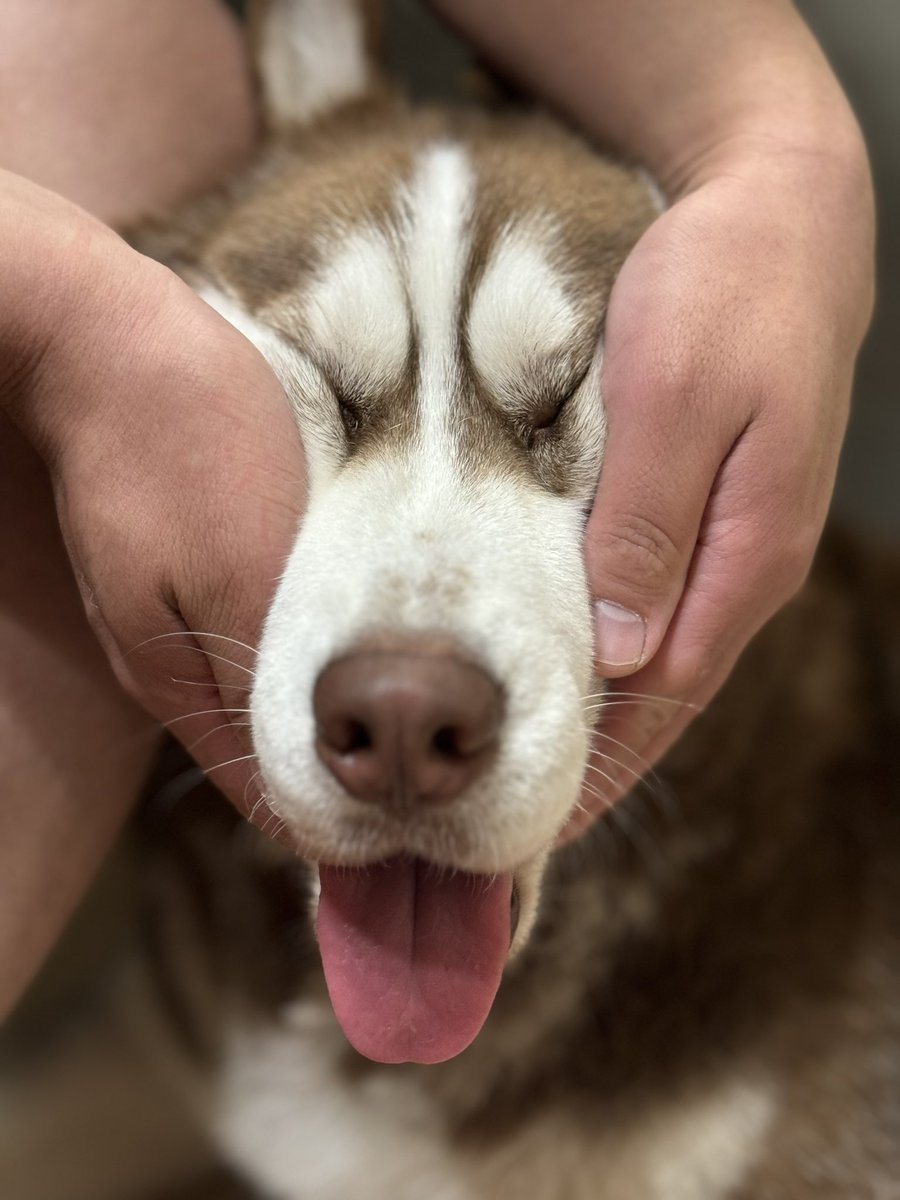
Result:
[
  {"x": 178, "y": 574},
  {"x": 753, "y": 554},
  {"x": 662, "y": 455}
]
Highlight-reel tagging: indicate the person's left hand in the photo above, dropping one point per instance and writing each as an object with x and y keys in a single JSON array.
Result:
[{"x": 732, "y": 334}]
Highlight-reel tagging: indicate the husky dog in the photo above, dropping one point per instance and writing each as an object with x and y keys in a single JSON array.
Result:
[{"x": 699, "y": 999}]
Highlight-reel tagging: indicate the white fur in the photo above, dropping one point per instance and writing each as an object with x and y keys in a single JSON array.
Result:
[
  {"x": 437, "y": 206},
  {"x": 520, "y": 313},
  {"x": 357, "y": 312},
  {"x": 414, "y": 541},
  {"x": 312, "y": 56},
  {"x": 308, "y": 1131}
]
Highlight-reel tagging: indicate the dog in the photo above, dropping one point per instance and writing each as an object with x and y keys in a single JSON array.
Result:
[{"x": 698, "y": 999}]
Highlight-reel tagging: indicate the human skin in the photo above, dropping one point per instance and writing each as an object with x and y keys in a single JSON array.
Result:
[
  {"x": 168, "y": 112},
  {"x": 730, "y": 344},
  {"x": 731, "y": 336}
]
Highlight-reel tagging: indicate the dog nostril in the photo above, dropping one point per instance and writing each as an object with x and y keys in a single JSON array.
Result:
[
  {"x": 446, "y": 743},
  {"x": 345, "y": 736},
  {"x": 358, "y": 738}
]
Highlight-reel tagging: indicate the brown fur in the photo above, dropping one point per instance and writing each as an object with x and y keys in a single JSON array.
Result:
[
  {"x": 738, "y": 920},
  {"x": 266, "y": 238},
  {"x": 743, "y": 917}
]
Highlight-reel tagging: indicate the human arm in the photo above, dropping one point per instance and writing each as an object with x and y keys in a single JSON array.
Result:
[
  {"x": 102, "y": 359},
  {"x": 732, "y": 329}
]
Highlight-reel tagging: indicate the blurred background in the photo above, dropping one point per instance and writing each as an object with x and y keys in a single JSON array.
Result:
[
  {"x": 862, "y": 39},
  {"x": 49, "y": 1150}
]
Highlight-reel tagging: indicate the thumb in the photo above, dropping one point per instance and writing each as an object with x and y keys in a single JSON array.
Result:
[{"x": 657, "y": 476}]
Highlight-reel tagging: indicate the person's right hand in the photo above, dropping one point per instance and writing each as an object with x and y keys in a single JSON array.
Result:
[{"x": 175, "y": 462}]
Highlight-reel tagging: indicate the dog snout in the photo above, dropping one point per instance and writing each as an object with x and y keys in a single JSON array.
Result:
[{"x": 407, "y": 725}]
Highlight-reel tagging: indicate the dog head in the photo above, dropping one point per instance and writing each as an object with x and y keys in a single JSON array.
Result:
[{"x": 430, "y": 288}]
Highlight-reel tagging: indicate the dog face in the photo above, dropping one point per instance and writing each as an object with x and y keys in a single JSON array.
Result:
[
  {"x": 435, "y": 316},
  {"x": 431, "y": 289}
]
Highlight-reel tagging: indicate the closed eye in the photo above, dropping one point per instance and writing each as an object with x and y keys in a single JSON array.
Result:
[
  {"x": 548, "y": 418},
  {"x": 350, "y": 416},
  {"x": 547, "y": 415}
]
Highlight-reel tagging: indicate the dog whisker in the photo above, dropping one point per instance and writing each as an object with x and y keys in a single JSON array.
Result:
[
  {"x": 230, "y": 762},
  {"x": 623, "y": 703},
  {"x": 218, "y": 729},
  {"x": 256, "y": 807},
  {"x": 193, "y": 633},
  {"x": 601, "y": 696},
  {"x": 219, "y": 658},
  {"x": 256, "y": 774},
  {"x": 237, "y": 687},
  {"x": 623, "y": 746},
  {"x": 203, "y": 712},
  {"x": 639, "y": 778}
]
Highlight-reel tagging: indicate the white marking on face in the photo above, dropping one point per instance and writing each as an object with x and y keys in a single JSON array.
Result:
[
  {"x": 520, "y": 312},
  {"x": 312, "y": 56},
  {"x": 357, "y": 312},
  {"x": 437, "y": 206},
  {"x": 409, "y": 539}
]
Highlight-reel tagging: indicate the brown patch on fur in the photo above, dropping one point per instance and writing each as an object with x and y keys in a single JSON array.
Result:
[
  {"x": 376, "y": 419},
  {"x": 271, "y": 235},
  {"x": 756, "y": 925},
  {"x": 202, "y": 927},
  {"x": 218, "y": 1185},
  {"x": 753, "y": 927}
]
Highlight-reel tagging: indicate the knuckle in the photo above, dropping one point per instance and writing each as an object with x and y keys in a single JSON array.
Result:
[{"x": 638, "y": 554}]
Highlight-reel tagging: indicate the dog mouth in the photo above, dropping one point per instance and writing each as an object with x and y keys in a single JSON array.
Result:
[{"x": 413, "y": 954}]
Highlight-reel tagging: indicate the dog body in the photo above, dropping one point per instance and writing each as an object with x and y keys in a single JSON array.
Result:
[
  {"x": 699, "y": 1002},
  {"x": 706, "y": 1006}
]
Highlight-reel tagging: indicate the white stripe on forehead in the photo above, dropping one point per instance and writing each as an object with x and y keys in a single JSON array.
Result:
[
  {"x": 520, "y": 311},
  {"x": 438, "y": 205}
]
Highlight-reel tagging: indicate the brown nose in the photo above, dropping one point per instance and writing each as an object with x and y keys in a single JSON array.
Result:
[{"x": 404, "y": 726}]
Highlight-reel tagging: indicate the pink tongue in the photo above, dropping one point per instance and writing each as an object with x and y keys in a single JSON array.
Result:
[{"x": 412, "y": 958}]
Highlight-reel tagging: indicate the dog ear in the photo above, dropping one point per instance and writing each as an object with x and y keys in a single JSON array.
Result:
[{"x": 314, "y": 56}]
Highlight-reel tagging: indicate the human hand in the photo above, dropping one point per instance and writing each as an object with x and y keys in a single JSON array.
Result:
[
  {"x": 174, "y": 459},
  {"x": 730, "y": 345},
  {"x": 731, "y": 332}
]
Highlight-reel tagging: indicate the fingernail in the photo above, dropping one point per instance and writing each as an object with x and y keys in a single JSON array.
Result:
[{"x": 619, "y": 635}]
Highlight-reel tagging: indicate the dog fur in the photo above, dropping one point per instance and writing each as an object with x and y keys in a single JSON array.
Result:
[{"x": 704, "y": 1002}]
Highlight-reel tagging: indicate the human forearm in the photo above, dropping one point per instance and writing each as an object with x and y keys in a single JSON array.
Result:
[
  {"x": 671, "y": 82},
  {"x": 125, "y": 107},
  {"x": 146, "y": 408}
]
